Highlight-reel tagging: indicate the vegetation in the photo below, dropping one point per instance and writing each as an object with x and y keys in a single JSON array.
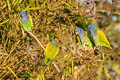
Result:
[{"x": 21, "y": 59}]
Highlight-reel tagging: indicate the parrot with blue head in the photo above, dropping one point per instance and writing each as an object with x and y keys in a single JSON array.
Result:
[
  {"x": 83, "y": 39},
  {"x": 51, "y": 52},
  {"x": 26, "y": 23},
  {"x": 98, "y": 36}
]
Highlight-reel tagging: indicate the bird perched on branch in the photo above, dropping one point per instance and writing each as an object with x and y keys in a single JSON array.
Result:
[
  {"x": 51, "y": 52},
  {"x": 26, "y": 22},
  {"x": 84, "y": 40},
  {"x": 99, "y": 37}
]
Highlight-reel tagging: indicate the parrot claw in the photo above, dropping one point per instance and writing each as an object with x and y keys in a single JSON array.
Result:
[
  {"x": 92, "y": 51},
  {"x": 108, "y": 47}
]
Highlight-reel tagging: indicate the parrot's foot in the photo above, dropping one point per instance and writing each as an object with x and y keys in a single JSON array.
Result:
[
  {"x": 93, "y": 50},
  {"x": 108, "y": 47}
]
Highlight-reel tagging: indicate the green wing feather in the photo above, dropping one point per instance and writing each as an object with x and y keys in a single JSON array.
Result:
[
  {"x": 31, "y": 22},
  {"x": 96, "y": 40},
  {"x": 103, "y": 39},
  {"x": 86, "y": 43},
  {"x": 51, "y": 52}
]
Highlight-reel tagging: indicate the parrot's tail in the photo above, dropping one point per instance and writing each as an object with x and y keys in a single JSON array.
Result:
[{"x": 47, "y": 61}]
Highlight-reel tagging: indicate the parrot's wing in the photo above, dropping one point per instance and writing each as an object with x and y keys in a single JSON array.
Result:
[
  {"x": 86, "y": 42},
  {"x": 91, "y": 39},
  {"x": 103, "y": 38},
  {"x": 31, "y": 22},
  {"x": 50, "y": 52},
  {"x": 27, "y": 25},
  {"x": 47, "y": 49}
]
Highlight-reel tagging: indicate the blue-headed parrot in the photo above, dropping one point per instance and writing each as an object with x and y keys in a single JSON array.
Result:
[
  {"x": 26, "y": 21},
  {"x": 99, "y": 37},
  {"x": 84, "y": 40},
  {"x": 51, "y": 52}
]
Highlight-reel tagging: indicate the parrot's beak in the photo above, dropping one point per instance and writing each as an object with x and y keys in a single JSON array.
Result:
[
  {"x": 76, "y": 33},
  {"x": 22, "y": 15}
]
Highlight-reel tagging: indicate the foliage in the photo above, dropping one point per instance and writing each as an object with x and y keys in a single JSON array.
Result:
[{"x": 56, "y": 19}]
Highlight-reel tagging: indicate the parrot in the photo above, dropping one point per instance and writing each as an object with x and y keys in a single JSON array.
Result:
[
  {"x": 51, "y": 52},
  {"x": 83, "y": 39},
  {"x": 26, "y": 21},
  {"x": 98, "y": 36}
]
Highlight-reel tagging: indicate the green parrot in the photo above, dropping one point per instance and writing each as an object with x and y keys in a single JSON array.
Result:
[
  {"x": 84, "y": 40},
  {"x": 51, "y": 52},
  {"x": 99, "y": 37},
  {"x": 26, "y": 21}
]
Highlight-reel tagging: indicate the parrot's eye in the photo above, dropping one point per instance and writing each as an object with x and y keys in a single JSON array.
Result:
[{"x": 22, "y": 15}]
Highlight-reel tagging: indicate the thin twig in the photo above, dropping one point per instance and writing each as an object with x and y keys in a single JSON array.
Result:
[
  {"x": 35, "y": 39},
  {"x": 103, "y": 11},
  {"x": 42, "y": 47},
  {"x": 12, "y": 72},
  {"x": 4, "y": 75},
  {"x": 56, "y": 66},
  {"x": 4, "y": 22}
]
